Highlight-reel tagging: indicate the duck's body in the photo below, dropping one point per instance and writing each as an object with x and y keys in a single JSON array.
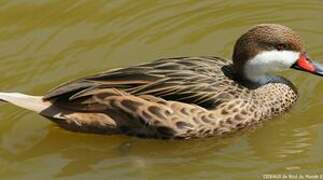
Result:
[
  {"x": 175, "y": 97},
  {"x": 184, "y": 97}
]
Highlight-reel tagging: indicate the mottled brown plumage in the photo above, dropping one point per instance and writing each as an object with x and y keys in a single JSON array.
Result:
[
  {"x": 170, "y": 98},
  {"x": 184, "y": 97}
]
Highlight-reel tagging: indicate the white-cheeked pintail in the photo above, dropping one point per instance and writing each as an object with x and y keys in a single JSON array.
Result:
[{"x": 183, "y": 97}]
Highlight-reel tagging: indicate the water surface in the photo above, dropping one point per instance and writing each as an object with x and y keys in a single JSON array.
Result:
[{"x": 44, "y": 43}]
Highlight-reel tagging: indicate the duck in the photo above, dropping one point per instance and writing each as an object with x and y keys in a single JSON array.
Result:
[{"x": 183, "y": 97}]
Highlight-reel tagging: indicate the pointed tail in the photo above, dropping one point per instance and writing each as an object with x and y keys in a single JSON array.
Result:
[{"x": 33, "y": 103}]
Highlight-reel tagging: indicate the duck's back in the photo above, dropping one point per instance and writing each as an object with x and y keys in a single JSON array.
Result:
[{"x": 203, "y": 81}]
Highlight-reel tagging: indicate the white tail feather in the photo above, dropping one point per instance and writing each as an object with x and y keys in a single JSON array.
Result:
[{"x": 33, "y": 103}]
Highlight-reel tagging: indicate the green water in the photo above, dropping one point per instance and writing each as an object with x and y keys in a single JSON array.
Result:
[{"x": 44, "y": 43}]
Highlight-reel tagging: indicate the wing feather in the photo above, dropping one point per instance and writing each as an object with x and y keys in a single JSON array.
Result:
[{"x": 196, "y": 80}]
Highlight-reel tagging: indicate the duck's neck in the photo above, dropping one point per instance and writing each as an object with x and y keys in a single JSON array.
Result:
[
  {"x": 261, "y": 79},
  {"x": 256, "y": 82},
  {"x": 268, "y": 78}
]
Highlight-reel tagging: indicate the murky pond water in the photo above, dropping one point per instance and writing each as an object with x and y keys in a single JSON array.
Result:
[{"x": 44, "y": 43}]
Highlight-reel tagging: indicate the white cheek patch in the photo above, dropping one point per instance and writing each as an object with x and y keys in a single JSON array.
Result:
[{"x": 269, "y": 61}]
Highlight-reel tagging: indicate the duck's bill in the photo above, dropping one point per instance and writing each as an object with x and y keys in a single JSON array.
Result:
[{"x": 306, "y": 64}]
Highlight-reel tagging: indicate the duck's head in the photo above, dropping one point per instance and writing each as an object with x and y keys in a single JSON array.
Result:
[{"x": 270, "y": 47}]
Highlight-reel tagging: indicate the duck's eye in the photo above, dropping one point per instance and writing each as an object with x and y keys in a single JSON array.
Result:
[{"x": 280, "y": 47}]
